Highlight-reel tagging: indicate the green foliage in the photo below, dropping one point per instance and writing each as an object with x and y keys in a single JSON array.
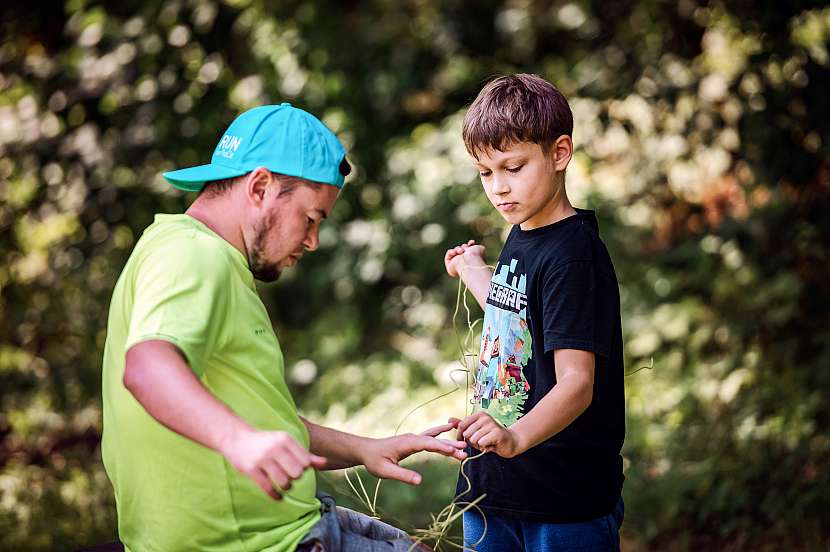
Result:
[{"x": 702, "y": 141}]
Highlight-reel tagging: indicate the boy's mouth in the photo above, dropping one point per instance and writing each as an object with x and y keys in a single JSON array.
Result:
[{"x": 507, "y": 206}]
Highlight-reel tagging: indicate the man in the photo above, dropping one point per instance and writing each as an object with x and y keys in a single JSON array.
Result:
[{"x": 202, "y": 439}]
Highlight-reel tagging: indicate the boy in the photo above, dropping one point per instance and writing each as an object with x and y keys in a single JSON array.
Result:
[{"x": 548, "y": 401}]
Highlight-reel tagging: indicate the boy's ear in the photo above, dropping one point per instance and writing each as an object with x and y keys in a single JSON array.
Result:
[{"x": 562, "y": 151}]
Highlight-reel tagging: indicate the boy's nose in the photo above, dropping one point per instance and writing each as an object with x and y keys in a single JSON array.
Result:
[{"x": 500, "y": 186}]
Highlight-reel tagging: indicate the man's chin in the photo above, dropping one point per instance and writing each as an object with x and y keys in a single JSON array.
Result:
[{"x": 267, "y": 275}]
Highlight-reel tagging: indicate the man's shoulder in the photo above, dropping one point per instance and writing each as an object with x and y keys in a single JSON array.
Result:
[{"x": 176, "y": 244}]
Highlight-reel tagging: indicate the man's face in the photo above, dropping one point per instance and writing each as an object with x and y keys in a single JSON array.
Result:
[
  {"x": 521, "y": 182},
  {"x": 287, "y": 227}
]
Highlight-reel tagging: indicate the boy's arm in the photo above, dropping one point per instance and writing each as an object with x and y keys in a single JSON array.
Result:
[
  {"x": 380, "y": 456},
  {"x": 467, "y": 262},
  {"x": 569, "y": 398}
]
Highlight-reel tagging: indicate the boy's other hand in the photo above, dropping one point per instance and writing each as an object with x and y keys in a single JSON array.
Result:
[
  {"x": 481, "y": 431},
  {"x": 464, "y": 255},
  {"x": 382, "y": 457}
]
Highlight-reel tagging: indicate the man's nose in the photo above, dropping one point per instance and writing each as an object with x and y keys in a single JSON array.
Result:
[{"x": 312, "y": 240}]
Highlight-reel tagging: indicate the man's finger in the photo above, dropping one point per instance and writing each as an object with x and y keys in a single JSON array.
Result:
[
  {"x": 430, "y": 444},
  {"x": 290, "y": 462},
  {"x": 277, "y": 476},
  {"x": 459, "y": 447},
  {"x": 438, "y": 430},
  {"x": 455, "y": 444},
  {"x": 262, "y": 481},
  {"x": 318, "y": 462},
  {"x": 394, "y": 471}
]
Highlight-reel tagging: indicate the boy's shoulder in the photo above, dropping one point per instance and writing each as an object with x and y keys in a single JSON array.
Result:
[{"x": 575, "y": 239}]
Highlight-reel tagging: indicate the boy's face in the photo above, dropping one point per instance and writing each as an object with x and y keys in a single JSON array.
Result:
[{"x": 524, "y": 183}]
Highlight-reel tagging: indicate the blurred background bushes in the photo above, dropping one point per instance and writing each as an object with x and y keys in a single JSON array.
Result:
[{"x": 702, "y": 140}]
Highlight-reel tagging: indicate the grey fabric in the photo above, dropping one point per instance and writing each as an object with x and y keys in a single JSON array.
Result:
[{"x": 344, "y": 530}]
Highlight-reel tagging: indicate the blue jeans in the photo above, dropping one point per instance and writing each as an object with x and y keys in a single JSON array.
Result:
[
  {"x": 508, "y": 535},
  {"x": 344, "y": 530}
]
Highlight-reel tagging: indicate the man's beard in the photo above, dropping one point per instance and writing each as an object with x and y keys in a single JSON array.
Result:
[{"x": 260, "y": 267}]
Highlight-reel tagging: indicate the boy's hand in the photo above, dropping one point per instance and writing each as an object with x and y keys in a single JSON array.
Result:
[
  {"x": 466, "y": 254},
  {"x": 486, "y": 434},
  {"x": 382, "y": 456}
]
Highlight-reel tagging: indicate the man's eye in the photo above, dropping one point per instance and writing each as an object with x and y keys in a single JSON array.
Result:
[{"x": 515, "y": 169}]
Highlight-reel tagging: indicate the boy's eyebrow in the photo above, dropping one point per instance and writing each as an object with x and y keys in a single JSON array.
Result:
[{"x": 517, "y": 157}]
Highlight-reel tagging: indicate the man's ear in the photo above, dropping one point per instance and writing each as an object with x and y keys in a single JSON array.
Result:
[
  {"x": 562, "y": 150},
  {"x": 258, "y": 181}
]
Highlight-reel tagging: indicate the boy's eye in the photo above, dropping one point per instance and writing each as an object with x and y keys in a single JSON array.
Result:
[
  {"x": 514, "y": 169},
  {"x": 309, "y": 221},
  {"x": 484, "y": 174}
]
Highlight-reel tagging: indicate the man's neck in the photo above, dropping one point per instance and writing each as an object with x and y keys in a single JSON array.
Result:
[{"x": 218, "y": 215}]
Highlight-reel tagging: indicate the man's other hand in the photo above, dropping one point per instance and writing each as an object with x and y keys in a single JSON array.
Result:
[{"x": 272, "y": 459}]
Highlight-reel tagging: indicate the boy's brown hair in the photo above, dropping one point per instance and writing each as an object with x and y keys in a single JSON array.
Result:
[{"x": 516, "y": 108}]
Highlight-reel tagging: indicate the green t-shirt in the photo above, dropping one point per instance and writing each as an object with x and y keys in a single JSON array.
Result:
[{"x": 186, "y": 285}]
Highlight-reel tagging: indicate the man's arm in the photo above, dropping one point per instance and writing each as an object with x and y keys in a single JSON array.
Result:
[
  {"x": 380, "y": 456},
  {"x": 467, "y": 262},
  {"x": 569, "y": 398},
  {"x": 340, "y": 448},
  {"x": 160, "y": 379}
]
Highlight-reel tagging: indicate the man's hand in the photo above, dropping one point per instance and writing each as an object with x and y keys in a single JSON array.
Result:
[
  {"x": 382, "y": 456},
  {"x": 272, "y": 459},
  {"x": 465, "y": 255},
  {"x": 486, "y": 434}
]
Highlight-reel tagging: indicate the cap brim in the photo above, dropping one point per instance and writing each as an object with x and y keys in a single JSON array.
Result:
[{"x": 193, "y": 179}]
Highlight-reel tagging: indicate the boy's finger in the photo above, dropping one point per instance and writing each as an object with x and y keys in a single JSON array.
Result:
[
  {"x": 468, "y": 421},
  {"x": 478, "y": 435},
  {"x": 473, "y": 429}
]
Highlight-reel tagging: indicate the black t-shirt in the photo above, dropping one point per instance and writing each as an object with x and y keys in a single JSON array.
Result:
[{"x": 554, "y": 288}]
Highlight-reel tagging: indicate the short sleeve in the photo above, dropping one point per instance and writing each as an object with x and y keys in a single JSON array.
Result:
[
  {"x": 181, "y": 295},
  {"x": 569, "y": 307}
]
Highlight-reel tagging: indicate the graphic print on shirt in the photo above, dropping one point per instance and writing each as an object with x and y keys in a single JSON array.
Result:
[{"x": 501, "y": 387}]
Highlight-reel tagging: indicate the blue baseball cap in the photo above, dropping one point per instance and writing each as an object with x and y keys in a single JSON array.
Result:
[{"x": 281, "y": 138}]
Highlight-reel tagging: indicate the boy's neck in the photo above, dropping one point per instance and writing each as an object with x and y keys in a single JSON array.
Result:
[{"x": 558, "y": 208}]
